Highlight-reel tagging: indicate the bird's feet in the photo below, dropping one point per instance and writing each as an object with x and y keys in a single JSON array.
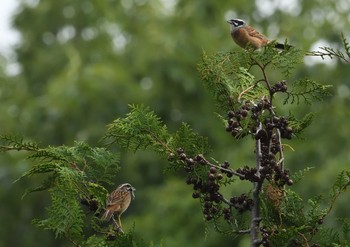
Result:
[{"x": 119, "y": 229}]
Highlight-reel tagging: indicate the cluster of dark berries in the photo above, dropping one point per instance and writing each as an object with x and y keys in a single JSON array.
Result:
[
  {"x": 233, "y": 125},
  {"x": 282, "y": 125},
  {"x": 206, "y": 188},
  {"x": 263, "y": 104},
  {"x": 271, "y": 170},
  {"x": 208, "y": 191},
  {"x": 209, "y": 210},
  {"x": 279, "y": 87},
  {"x": 282, "y": 177},
  {"x": 242, "y": 203},
  {"x": 227, "y": 214},
  {"x": 90, "y": 202},
  {"x": 265, "y": 233},
  {"x": 268, "y": 165},
  {"x": 256, "y": 110},
  {"x": 248, "y": 174},
  {"x": 234, "y": 119},
  {"x": 262, "y": 135},
  {"x": 275, "y": 144},
  {"x": 225, "y": 168},
  {"x": 214, "y": 174}
]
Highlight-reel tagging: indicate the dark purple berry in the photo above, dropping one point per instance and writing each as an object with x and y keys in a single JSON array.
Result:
[
  {"x": 195, "y": 195},
  {"x": 211, "y": 176},
  {"x": 182, "y": 156},
  {"x": 230, "y": 114},
  {"x": 219, "y": 176}
]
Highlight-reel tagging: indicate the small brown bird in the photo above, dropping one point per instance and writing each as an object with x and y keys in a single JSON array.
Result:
[
  {"x": 117, "y": 202},
  {"x": 245, "y": 36}
]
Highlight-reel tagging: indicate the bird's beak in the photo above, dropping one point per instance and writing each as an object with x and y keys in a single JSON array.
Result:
[
  {"x": 132, "y": 192},
  {"x": 229, "y": 22}
]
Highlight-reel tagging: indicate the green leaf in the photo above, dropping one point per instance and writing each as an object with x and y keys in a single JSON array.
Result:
[
  {"x": 306, "y": 90},
  {"x": 191, "y": 142},
  {"x": 140, "y": 129}
]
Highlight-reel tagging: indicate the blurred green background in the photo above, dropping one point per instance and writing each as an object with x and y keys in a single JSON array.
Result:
[{"x": 78, "y": 64}]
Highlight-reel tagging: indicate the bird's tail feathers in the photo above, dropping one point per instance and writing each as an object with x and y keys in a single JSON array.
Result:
[{"x": 107, "y": 215}]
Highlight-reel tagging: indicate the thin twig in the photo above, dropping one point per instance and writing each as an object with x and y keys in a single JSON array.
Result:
[
  {"x": 327, "y": 53},
  {"x": 255, "y": 221},
  {"x": 72, "y": 241},
  {"x": 280, "y": 161},
  {"x": 226, "y": 201},
  {"x": 224, "y": 169},
  {"x": 266, "y": 80},
  {"x": 280, "y": 150},
  {"x": 4, "y": 148},
  {"x": 245, "y": 91}
]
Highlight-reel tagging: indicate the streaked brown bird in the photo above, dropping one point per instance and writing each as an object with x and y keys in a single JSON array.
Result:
[
  {"x": 117, "y": 202},
  {"x": 245, "y": 36}
]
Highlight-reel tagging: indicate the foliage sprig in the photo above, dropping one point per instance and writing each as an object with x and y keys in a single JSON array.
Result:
[{"x": 333, "y": 53}]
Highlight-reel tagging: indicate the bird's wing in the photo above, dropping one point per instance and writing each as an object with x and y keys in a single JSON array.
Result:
[
  {"x": 253, "y": 33},
  {"x": 115, "y": 198}
]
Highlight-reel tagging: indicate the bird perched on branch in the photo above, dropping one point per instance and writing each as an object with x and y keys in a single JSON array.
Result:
[
  {"x": 245, "y": 36},
  {"x": 117, "y": 202}
]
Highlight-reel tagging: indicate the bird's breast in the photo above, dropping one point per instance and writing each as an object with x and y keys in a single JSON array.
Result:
[
  {"x": 241, "y": 37},
  {"x": 125, "y": 204}
]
